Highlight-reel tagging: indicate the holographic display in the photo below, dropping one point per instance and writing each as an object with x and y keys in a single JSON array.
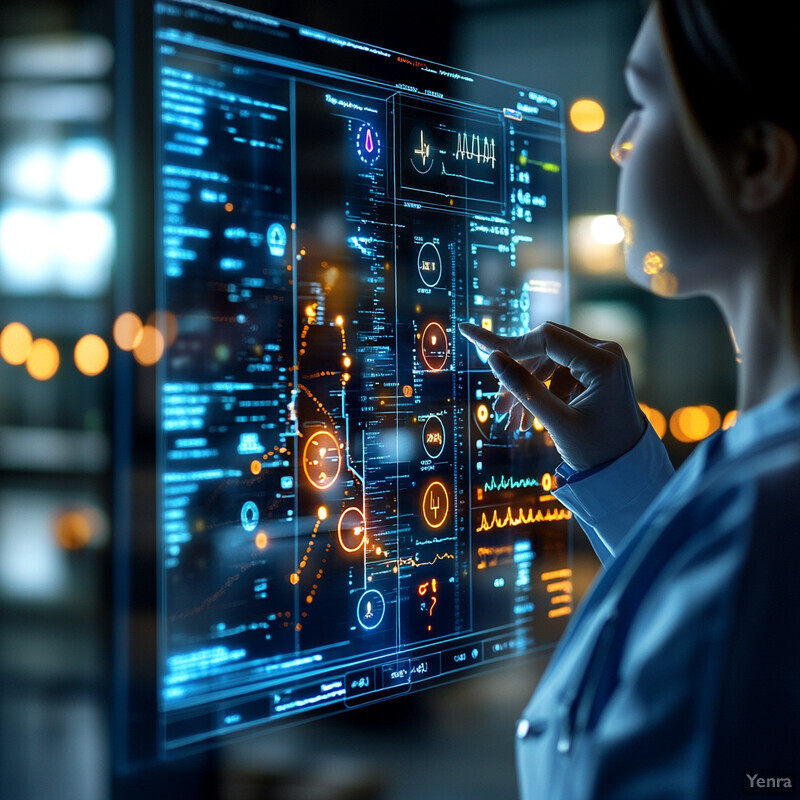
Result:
[{"x": 341, "y": 515}]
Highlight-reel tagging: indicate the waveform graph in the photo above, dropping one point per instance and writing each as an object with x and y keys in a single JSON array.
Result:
[
  {"x": 474, "y": 147},
  {"x": 423, "y": 154},
  {"x": 435, "y": 504},
  {"x": 322, "y": 459},
  {"x": 434, "y": 347}
]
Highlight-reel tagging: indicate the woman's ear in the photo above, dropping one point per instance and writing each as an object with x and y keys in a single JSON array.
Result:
[{"x": 765, "y": 166}]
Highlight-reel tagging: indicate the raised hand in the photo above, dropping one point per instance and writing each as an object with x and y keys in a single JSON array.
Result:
[{"x": 589, "y": 409}]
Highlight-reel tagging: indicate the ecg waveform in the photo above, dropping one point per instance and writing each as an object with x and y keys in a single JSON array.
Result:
[
  {"x": 524, "y": 517},
  {"x": 504, "y": 482},
  {"x": 471, "y": 148}
]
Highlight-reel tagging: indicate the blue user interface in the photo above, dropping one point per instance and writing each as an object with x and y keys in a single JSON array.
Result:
[{"x": 341, "y": 515}]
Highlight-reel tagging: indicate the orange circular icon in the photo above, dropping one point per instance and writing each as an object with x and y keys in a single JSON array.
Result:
[
  {"x": 322, "y": 460},
  {"x": 434, "y": 347},
  {"x": 352, "y": 530},
  {"x": 435, "y": 504},
  {"x": 408, "y": 390}
]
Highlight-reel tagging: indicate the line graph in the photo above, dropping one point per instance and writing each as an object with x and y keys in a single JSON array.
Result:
[{"x": 523, "y": 517}]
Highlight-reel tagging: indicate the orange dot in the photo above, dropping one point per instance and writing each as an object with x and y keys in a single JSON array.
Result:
[
  {"x": 255, "y": 467},
  {"x": 15, "y": 343},
  {"x": 309, "y": 599},
  {"x": 150, "y": 347},
  {"x": 261, "y": 540},
  {"x": 294, "y": 578},
  {"x": 73, "y": 530},
  {"x": 229, "y": 206},
  {"x": 127, "y": 330},
  {"x": 408, "y": 390},
  {"x": 43, "y": 360},
  {"x": 91, "y": 354},
  {"x": 587, "y": 116}
]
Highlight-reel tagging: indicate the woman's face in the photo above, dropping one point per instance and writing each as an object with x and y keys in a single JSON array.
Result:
[{"x": 677, "y": 242}]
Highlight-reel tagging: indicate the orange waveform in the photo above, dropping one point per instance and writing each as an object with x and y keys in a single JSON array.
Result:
[
  {"x": 411, "y": 561},
  {"x": 522, "y": 518}
]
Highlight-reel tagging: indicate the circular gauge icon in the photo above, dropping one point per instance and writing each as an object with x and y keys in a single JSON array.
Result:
[
  {"x": 249, "y": 516},
  {"x": 484, "y": 414},
  {"x": 435, "y": 504},
  {"x": 429, "y": 264},
  {"x": 433, "y": 436},
  {"x": 322, "y": 459},
  {"x": 421, "y": 152},
  {"x": 371, "y": 609},
  {"x": 352, "y": 530},
  {"x": 368, "y": 145},
  {"x": 434, "y": 347}
]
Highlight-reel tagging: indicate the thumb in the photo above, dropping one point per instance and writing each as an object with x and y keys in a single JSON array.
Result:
[{"x": 529, "y": 390}]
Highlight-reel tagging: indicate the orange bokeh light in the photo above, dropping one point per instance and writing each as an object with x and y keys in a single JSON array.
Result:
[
  {"x": 127, "y": 330},
  {"x": 150, "y": 347},
  {"x": 91, "y": 354},
  {"x": 43, "y": 360},
  {"x": 15, "y": 343},
  {"x": 587, "y": 116}
]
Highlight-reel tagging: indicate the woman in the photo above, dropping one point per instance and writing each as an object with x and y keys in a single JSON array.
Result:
[{"x": 679, "y": 676}]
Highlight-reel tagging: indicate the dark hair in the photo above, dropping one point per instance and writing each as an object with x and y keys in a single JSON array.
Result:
[{"x": 736, "y": 64}]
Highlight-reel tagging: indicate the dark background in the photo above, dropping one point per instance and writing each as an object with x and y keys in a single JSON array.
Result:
[{"x": 57, "y": 79}]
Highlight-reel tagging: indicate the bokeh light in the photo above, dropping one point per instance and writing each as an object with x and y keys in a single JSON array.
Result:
[
  {"x": 694, "y": 423},
  {"x": 150, "y": 347},
  {"x": 91, "y": 354},
  {"x": 127, "y": 330},
  {"x": 43, "y": 360},
  {"x": 167, "y": 323},
  {"x": 606, "y": 229},
  {"x": 15, "y": 343},
  {"x": 656, "y": 419},
  {"x": 73, "y": 530},
  {"x": 587, "y": 116}
]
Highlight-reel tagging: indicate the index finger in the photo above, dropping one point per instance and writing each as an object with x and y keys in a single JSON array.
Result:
[{"x": 578, "y": 353}]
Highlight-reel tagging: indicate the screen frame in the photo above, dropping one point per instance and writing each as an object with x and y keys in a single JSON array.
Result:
[{"x": 137, "y": 739}]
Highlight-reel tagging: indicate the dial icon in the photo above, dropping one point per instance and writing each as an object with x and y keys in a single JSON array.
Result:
[
  {"x": 434, "y": 347},
  {"x": 433, "y": 436},
  {"x": 368, "y": 145},
  {"x": 371, "y": 609},
  {"x": 429, "y": 264},
  {"x": 435, "y": 504},
  {"x": 322, "y": 459}
]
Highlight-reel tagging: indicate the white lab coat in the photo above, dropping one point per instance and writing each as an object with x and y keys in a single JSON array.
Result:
[{"x": 679, "y": 675}]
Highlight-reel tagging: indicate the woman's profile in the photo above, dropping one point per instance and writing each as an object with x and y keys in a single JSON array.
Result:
[{"x": 679, "y": 675}]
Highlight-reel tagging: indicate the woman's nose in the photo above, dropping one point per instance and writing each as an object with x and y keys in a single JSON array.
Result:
[{"x": 621, "y": 150}]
